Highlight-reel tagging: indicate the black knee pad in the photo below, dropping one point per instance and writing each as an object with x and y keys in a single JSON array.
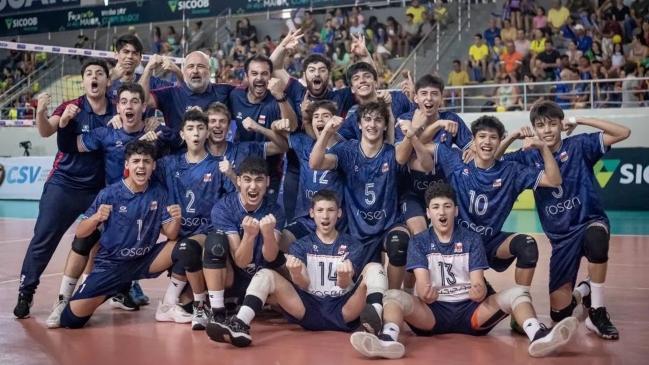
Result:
[
  {"x": 396, "y": 247},
  {"x": 279, "y": 261},
  {"x": 83, "y": 246},
  {"x": 559, "y": 315},
  {"x": 190, "y": 254},
  {"x": 526, "y": 251},
  {"x": 596, "y": 245},
  {"x": 217, "y": 249}
]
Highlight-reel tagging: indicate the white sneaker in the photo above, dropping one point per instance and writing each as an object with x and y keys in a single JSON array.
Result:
[
  {"x": 547, "y": 341},
  {"x": 171, "y": 313},
  {"x": 54, "y": 320},
  {"x": 372, "y": 346},
  {"x": 200, "y": 316}
]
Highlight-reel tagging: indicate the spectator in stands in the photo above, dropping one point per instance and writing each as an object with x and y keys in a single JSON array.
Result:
[
  {"x": 355, "y": 27},
  {"x": 638, "y": 52},
  {"x": 309, "y": 24},
  {"x": 416, "y": 11},
  {"x": 541, "y": 20},
  {"x": 573, "y": 53},
  {"x": 156, "y": 40},
  {"x": 173, "y": 39},
  {"x": 198, "y": 39},
  {"x": 576, "y": 6},
  {"x": 617, "y": 58},
  {"x": 426, "y": 26},
  {"x": 410, "y": 34},
  {"x": 239, "y": 52},
  {"x": 630, "y": 86},
  {"x": 341, "y": 60},
  {"x": 639, "y": 9},
  {"x": 247, "y": 31},
  {"x": 511, "y": 62},
  {"x": 440, "y": 15},
  {"x": 584, "y": 68},
  {"x": 595, "y": 53},
  {"x": 557, "y": 16},
  {"x": 8, "y": 83},
  {"x": 383, "y": 47},
  {"x": 508, "y": 32},
  {"x": 546, "y": 62},
  {"x": 584, "y": 41},
  {"x": 456, "y": 78},
  {"x": 494, "y": 56},
  {"x": 515, "y": 16},
  {"x": 533, "y": 93},
  {"x": 394, "y": 33},
  {"x": 537, "y": 46},
  {"x": 356, "y": 13},
  {"x": 491, "y": 32},
  {"x": 522, "y": 43},
  {"x": 478, "y": 57},
  {"x": 507, "y": 95}
]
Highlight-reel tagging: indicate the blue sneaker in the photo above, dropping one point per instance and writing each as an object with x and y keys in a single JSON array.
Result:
[{"x": 138, "y": 295}]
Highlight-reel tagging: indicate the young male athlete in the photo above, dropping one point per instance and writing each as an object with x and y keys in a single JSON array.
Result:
[
  {"x": 134, "y": 212},
  {"x": 247, "y": 228},
  {"x": 73, "y": 183},
  {"x": 193, "y": 181},
  {"x": 449, "y": 262},
  {"x": 370, "y": 172},
  {"x": 324, "y": 294},
  {"x": 571, "y": 215}
]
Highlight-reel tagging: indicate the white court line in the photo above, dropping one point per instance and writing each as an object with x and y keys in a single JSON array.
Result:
[
  {"x": 17, "y": 280},
  {"x": 29, "y": 239}
]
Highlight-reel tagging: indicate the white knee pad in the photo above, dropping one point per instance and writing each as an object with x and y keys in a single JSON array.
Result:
[
  {"x": 512, "y": 297},
  {"x": 375, "y": 278},
  {"x": 262, "y": 284},
  {"x": 401, "y": 299}
]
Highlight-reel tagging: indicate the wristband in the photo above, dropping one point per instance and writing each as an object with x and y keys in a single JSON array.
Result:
[{"x": 572, "y": 120}]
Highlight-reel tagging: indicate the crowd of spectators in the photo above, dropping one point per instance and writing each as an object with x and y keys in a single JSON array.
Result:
[{"x": 16, "y": 66}]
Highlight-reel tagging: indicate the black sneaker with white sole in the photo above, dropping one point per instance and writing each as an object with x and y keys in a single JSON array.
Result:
[
  {"x": 370, "y": 320},
  {"x": 124, "y": 301},
  {"x": 547, "y": 340},
  {"x": 233, "y": 331},
  {"x": 25, "y": 302},
  {"x": 599, "y": 322}
]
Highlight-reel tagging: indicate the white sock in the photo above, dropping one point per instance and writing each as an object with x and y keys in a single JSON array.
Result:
[
  {"x": 526, "y": 288},
  {"x": 83, "y": 279},
  {"x": 67, "y": 286},
  {"x": 531, "y": 326},
  {"x": 379, "y": 309},
  {"x": 596, "y": 295},
  {"x": 200, "y": 297},
  {"x": 217, "y": 298},
  {"x": 391, "y": 330},
  {"x": 583, "y": 290},
  {"x": 173, "y": 291},
  {"x": 246, "y": 314}
]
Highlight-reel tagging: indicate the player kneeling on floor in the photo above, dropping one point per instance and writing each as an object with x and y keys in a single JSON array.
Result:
[
  {"x": 134, "y": 213},
  {"x": 323, "y": 295},
  {"x": 448, "y": 263}
]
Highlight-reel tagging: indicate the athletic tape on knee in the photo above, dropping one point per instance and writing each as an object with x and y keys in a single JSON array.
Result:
[
  {"x": 510, "y": 298},
  {"x": 396, "y": 247},
  {"x": 375, "y": 279},
  {"x": 525, "y": 249},
  {"x": 190, "y": 254},
  {"x": 596, "y": 242},
  {"x": 399, "y": 298},
  {"x": 262, "y": 284},
  {"x": 83, "y": 246}
]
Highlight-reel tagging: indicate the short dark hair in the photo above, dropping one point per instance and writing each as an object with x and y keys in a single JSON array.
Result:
[
  {"x": 315, "y": 58},
  {"x": 478, "y": 35},
  {"x": 440, "y": 190},
  {"x": 253, "y": 165},
  {"x": 133, "y": 87},
  {"x": 326, "y": 195},
  {"x": 546, "y": 110},
  {"x": 319, "y": 104},
  {"x": 374, "y": 107},
  {"x": 488, "y": 122},
  {"x": 194, "y": 115},
  {"x": 258, "y": 58},
  {"x": 129, "y": 39},
  {"x": 429, "y": 81},
  {"x": 138, "y": 147},
  {"x": 359, "y": 67},
  {"x": 94, "y": 62},
  {"x": 218, "y": 108}
]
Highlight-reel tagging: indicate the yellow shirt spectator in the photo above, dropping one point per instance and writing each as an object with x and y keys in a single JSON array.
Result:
[
  {"x": 416, "y": 13},
  {"x": 479, "y": 53},
  {"x": 457, "y": 78},
  {"x": 538, "y": 46},
  {"x": 557, "y": 18}
]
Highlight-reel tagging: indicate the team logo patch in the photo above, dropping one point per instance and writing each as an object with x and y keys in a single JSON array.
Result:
[
  {"x": 207, "y": 177},
  {"x": 538, "y": 165},
  {"x": 458, "y": 248},
  {"x": 341, "y": 249},
  {"x": 177, "y": 174},
  {"x": 154, "y": 205},
  {"x": 122, "y": 209},
  {"x": 385, "y": 167},
  {"x": 262, "y": 119},
  {"x": 563, "y": 156},
  {"x": 432, "y": 245},
  {"x": 497, "y": 183},
  {"x": 443, "y": 138},
  {"x": 118, "y": 144},
  {"x": 465, "y": 172},
  {"x": 315, "y": 248},
  {"x": 239, "y": 116},
  {"x": 85, "y": 128}
]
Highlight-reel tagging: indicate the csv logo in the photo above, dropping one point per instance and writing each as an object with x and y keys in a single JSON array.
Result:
[{"x": 23, "y": 175}]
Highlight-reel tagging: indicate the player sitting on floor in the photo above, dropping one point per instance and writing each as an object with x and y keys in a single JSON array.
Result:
[
  {"x": 448, "y": 263},
  {"x": 323, "y": 295},
  {"x": 571, "y": 215}
]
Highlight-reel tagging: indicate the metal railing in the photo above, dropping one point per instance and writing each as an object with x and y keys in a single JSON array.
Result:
[
  {"x": 28, "y": 81},
  {"x": 5, "y": 113}
]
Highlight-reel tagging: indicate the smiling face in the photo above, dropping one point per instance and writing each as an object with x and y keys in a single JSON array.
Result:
[
  {"x": 130, "y": 108},
  {"x": 325, "y": 213},
  {"x": 428, "y": 99},
  {"x": 252, "y": 188},
  {"x": 194, "y": 134},
  {"x": 363, "y": 84},
  {"x": 258, "y": 76},
  {"x": 95, "y": 82},
  {"x": 487, "y": 142},
  {"x": 129, "y": 58},
  {"x": 549, "y": 131},
  {"x": 442, "y": 212},
  {"x": 218, "y": 127},
  {"x": 372, "y": 126},
  {"x": 317, "y": 76}
]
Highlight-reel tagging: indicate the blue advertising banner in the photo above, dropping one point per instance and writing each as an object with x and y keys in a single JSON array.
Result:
[{"x": 10, "y": 7}]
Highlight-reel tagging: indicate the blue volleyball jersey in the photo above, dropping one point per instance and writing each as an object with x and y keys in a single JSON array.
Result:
[
  {"x": 239, "y": 151},
  {"x": 312, "y": 181},
  {"x": 154, "y": 83},
  {"x": 196, "y": 187},
  {"x": 369, "y": 189},
  {"x": 350, "y": 128},
  {"x": 75, "y": 170},
  {"x": 485, "y": 197},
  {"x": 134, "y": 224},
  {"x": 449, "y": 264},
  {"x": 565, "y": 210},
  {"x": 295, "y": 92},
  {"x": 227, "y": 216},
  {"x": 322, "y": 262},
  {"x": 174, "y": 101}
]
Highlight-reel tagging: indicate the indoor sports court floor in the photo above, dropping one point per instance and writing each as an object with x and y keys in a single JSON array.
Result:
[{"x": 118, "y": 337}]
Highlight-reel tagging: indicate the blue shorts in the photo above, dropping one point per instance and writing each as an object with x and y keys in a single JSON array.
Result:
[
  {"x": 324, "y": 313},
  {"x": 412, "y": 206},
  {"x": 491, "y": 248},
  {"x": 110, "y": 280},
  {"x": 301, "y": 227},
  {"x": 372, "y": 248},
  {"x": 458, "y": 317},
  {"x": 566, "y": 258}
]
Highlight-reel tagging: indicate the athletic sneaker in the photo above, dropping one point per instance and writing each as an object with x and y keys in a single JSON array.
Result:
[
  {"x": 377, "y": 346},
  {"x": 516, "y": 327},
  {"x": 548, "y": 340},
  {"x": 585, "y": 300},
  {"x": 54, "y": 320},
  {"x": 233, "y": 331},
  {"x": 200, "y": 316},
  {"x": 370, "y": 320},
  {"x": 25, "y": 302},
  {"x": 124, "y": 301},
  {"x": 172, "y": 313},
  {"x": 599, "y": 322},
  {"x": 138, "y": 295}
]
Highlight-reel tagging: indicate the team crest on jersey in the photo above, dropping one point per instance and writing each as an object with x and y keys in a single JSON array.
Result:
[
  {"x": 458, "y": 248},
  {"x": 177, "y": 174},
  {"x": 443, "y": 138},
  {"x": 315, "y": 248},
  {"x": 432, "y": 245},
  {"x": 538, "y": 165},
  {"x": 154, "y": 205},
  {"x": 262, "y": 119},
  {"x": 118, "y": 144},
  {"x": 239, "y": 116},
  {"x": 85, "y": 128},
  {"x": 497, "y": 183},
  {"x": 563, "y": 156},
  {"x": 465, "y": 172},
  {"x": 355, "y": 168},
  {"x": 341, "y": 249},
  {"x": 207, "y": 177},
  {"x": 385, "y": 167},
  {"x": 122, "y": 209}
]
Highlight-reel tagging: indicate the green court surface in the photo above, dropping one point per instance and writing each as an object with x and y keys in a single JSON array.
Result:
[{"x": 523, "y": 221}]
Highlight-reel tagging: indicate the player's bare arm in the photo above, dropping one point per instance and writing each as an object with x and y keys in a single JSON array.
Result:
[
  {"x": 552, "y": 176},
  {"x": 226, "y": 169},
  {"x": 319, "y": 159},
  {"x": 276, "y": 88},
  {"x": 171, "y": 229},
  {"x": 298, "y": 272},
  {"x": 155, "y": 62},
  {"x": 478, "y": 291},
  {"x": 243, "y": 249},
  {"x": 427, "y": 293},
  {"x": 289, "y": 42},
  {"x": 613, "y": 132},
  {"x": 87, "y": 226},
  {"x": 521, "y": 133},
  {"x": 46, "y": 127},
  {"x": 344, "y": 272},
  {"x": 278, "y": 144},
  {"x": 269, "y": 249}
]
